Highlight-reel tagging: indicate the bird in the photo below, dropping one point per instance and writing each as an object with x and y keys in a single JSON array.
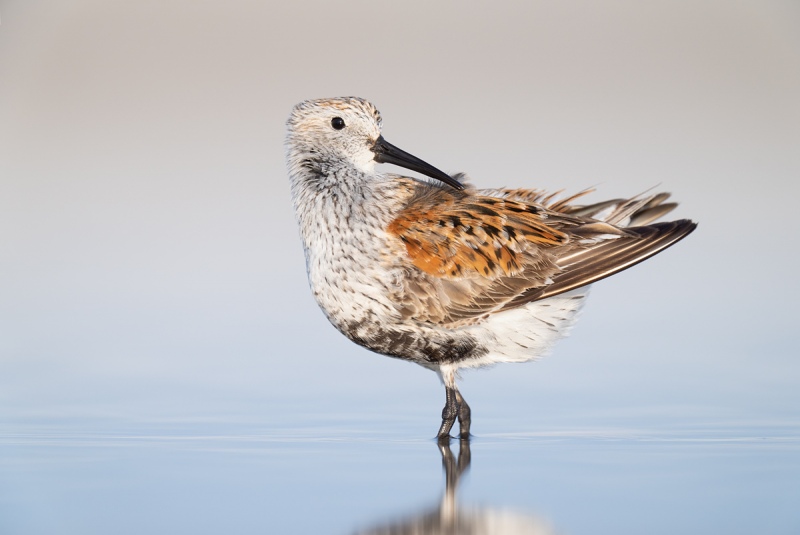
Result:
[{"x": 434, "y": 271}]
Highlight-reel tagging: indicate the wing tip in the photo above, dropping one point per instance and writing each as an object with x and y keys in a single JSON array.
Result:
[
  {"x": 679, "y": 228},
  {"x": 660, "y": 236}
]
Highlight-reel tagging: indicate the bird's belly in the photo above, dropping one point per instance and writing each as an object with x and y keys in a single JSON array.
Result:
[
  {"x": 356, "y": 298},
  {"x": 528, "y": 332},
  {"x": 360, "y": 308}
]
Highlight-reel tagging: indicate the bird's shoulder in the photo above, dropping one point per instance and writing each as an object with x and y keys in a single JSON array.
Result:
[{"x": 485, "y": 233}]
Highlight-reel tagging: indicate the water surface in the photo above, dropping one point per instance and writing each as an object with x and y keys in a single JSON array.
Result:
[{"x": 98, "y": 476}]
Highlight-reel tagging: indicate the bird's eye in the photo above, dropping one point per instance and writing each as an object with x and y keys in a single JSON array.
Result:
[{"x": 337, "y": 123}]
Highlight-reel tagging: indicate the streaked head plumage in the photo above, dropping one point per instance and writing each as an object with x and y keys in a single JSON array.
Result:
[
  {"x": 327, "y": 135},
  {"x": 335, "y": 130}
]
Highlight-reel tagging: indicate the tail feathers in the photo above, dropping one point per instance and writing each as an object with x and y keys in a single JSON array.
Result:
[
  {"x": 646, "y": 216},
  {"x": 633, "y": 212},
  {"x": 636, "y": 211}
]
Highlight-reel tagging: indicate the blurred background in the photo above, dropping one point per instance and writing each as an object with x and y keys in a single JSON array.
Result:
[{"x": 151, "y": 273}]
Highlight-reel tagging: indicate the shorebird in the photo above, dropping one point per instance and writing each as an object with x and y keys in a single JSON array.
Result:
[{"x": 436, "y": 272}]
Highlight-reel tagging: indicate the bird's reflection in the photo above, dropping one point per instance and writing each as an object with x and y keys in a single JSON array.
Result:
[{"x": 448, "y": 517}]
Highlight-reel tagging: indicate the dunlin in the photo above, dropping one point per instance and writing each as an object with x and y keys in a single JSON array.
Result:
[{"x": 437, "y": 272}]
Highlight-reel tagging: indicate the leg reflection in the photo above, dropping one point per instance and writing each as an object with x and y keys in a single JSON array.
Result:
[
  {"x": 449, "y": 518},
  {"x": 453, "y": 470}
]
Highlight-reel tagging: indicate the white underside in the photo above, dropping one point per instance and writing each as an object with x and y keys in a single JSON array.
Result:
[{"x": 522, "y": 334}]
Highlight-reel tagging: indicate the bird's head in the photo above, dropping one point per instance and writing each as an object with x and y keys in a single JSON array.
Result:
[{"x": 325, "y": 134}]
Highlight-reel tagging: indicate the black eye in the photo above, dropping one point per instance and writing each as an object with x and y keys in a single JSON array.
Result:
[{"x": 337, "y": 123}]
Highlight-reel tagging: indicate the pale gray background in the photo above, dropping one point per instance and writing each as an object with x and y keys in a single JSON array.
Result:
[
  {"x": 149, "y": 250},
  {"x": 150, "y": 268}
]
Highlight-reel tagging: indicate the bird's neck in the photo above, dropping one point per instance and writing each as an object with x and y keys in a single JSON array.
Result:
[{"x": 338, "y": 199}]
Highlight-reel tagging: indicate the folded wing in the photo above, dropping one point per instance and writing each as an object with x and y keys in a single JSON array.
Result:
[{"x": 478, "y": 253}]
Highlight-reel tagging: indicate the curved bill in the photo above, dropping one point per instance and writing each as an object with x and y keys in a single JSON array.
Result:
[{"x": 385, "y": 152}]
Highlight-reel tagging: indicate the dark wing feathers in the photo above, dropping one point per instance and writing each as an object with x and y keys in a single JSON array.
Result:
[
  {"x": 484, "y": 252},
  {"x": 652, "y": 213},
  {"x": 585, "y": 266}
]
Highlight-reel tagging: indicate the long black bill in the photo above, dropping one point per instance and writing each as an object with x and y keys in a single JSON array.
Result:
[{"x": 385, "y": 152}]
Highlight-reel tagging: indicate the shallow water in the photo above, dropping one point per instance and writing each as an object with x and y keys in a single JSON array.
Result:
[{"x": 357, "y": 476}]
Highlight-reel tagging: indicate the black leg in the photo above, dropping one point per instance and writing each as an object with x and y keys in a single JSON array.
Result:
[
  {"x": 449, "y": 414},
  {"x": 464, "y": 416}
]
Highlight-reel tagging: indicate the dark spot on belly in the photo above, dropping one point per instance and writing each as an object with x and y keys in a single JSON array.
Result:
[{"x": 412, "y": 346}]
